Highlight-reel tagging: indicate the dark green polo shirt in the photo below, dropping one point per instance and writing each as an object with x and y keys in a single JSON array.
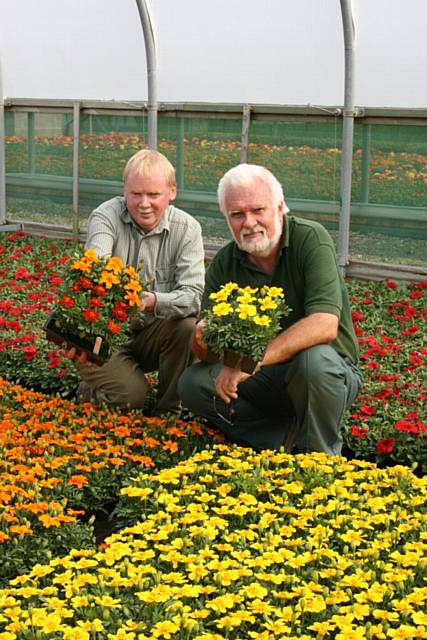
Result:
[{"x": 307, "y": 271}]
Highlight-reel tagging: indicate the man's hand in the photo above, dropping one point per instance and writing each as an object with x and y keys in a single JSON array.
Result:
[
  {"x": 227, "y": 382},
  {"x": 148, "y": 301},
  {"x": 78, "y": 358},
  {"x": 199, "y": 348}
]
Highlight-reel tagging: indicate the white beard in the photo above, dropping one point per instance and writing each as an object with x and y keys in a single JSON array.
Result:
[{"x": 261, "y": 246}]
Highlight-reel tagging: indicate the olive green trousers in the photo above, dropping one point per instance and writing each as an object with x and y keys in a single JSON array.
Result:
[
  {"x": 163, "y": 346},
  {"x": 298, "y": 405}
]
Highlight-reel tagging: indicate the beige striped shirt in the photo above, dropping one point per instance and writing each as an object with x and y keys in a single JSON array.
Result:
[{"x": 171, "y": 255}]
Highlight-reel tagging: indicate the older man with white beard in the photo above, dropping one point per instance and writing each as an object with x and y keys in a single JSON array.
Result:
[{"x": 308, "y": 375}]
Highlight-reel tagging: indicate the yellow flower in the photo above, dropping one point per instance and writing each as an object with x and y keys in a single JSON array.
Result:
[
  {"x": 262, "y": 321},
  {"x": 245, "y": 297},
  {"x": 222, "y": 309},
  {"x": 419, "y": 617},
  {"x": 255, "y": 590},
  {"x": 274, "y": 292},
  {"x": 164, "y": 629},
  {"x": 74, "y": 633},
  {"x": 222, "y": 603},
  {"x": 108, "y": 602},
  {"x": 404, "y": 632},
  {"x": 246, "y": 310},
  {"x": 267, "y": 303}
]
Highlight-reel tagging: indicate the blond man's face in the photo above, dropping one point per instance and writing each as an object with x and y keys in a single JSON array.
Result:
[{"x": 147, "y": 198}]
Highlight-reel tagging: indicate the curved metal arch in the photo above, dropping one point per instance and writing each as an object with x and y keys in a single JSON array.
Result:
[
  {"x": 347, "y": 134},
  {"x": 150, "y": 52}
]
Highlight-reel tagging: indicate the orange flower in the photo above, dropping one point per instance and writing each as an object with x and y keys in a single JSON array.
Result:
[
  {"x": 108, "y": 279},
  {"x": 78, "y": 481},
  {"x": 151, "y": 442},
  {"x": 3, "y": 537},
  {"x": 114, "y": 264},
  {"x": 175, "y": 431},
  {"x": 20, "y": 529},
  {"x": 47, "y": 521},
  {"x": 133, "y": 299},
  {"x": 171, "y": 446}
]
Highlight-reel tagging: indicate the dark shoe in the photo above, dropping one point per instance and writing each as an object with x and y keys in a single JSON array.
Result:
[{"x": 84, "y": 393}]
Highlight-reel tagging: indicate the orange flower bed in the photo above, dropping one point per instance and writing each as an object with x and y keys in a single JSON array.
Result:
[{"x": 60, "y": 461}]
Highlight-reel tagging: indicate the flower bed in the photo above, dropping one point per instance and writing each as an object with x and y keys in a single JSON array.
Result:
[
  {"x": 241, "y": 545},
  {"x": 389, "y": 420},
  {"x": 60, "y": 462},
  {"x": 387, "y": 423},
  {"x": 30, "y": 276}
]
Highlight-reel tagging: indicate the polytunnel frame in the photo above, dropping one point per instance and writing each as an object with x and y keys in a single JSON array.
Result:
[{"x": 348, "y": 114}]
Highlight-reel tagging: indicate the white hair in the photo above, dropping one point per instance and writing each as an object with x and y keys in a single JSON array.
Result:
[{"x": 244, "y": 175}]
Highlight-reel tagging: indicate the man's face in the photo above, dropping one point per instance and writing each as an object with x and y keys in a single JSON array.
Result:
[
  {"x": 147, "y": 198},
  {"x": 254, "y": 219}
]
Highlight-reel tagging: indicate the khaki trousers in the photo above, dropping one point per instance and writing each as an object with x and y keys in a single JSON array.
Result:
[{"x": 163, "y": 346}]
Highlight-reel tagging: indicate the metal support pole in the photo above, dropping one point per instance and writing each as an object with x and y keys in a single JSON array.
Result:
[
  {"x": 246, "y": 122},
  {"x": 31, "y": 135},
  {"x": 180, "y": 150},
  {"x": 150, "y": 52},
  {"x": 347, "y": 136},
  {"x": 2, "y": 154},
  {"x": 366, "y": 157},
  {"x": 76, "y": 157}
]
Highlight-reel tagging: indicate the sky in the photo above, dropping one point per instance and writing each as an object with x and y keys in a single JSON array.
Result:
[{"x": 240, "y": 51}]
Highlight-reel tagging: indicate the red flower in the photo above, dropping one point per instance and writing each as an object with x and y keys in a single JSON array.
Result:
[
  {"x": 91, "y": 315},
  {"x": 30, "y": 352},
  {"x": 54, "y": 360},
  {"x": 85, "y": 283},
  {"x": 390, "y": 284},
  {"x": 119, "y": 311},
  {"x": 409, "y": 426},
  {"x": 113, "y": 327},
  {"x": 359, "y": 432},
  {"x": 99, "y": 290},
  {"x": 410, "y": 312},
  {"x": 385, "y": 446},
  {"x": 367, "y": 410},
  {"x": 357, "y": 316},
  {"x": 415, "y": 359},
  {"x": 96, "y": 302},
  {"x": 67, "y": 302}
]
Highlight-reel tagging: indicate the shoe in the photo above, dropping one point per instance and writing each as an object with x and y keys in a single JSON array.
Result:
[{"x": 83, "y": 393}]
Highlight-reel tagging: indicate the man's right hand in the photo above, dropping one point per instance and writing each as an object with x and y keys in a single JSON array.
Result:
[{"x": 199, "y": 348}]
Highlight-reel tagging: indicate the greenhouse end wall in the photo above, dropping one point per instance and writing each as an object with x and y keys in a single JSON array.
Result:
[{"x": 302, "y": 146}]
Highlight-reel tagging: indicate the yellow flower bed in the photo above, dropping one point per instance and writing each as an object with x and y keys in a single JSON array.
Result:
[{"x": 242, "y": 545}]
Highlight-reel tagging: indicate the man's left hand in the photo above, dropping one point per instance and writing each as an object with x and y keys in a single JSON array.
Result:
[{"x": 148, "y": 301}]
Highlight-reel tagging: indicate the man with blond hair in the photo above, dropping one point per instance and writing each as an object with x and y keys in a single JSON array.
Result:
[
  {"x": 308, "y": 376},
  {"x": 164, "y": 244}
]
